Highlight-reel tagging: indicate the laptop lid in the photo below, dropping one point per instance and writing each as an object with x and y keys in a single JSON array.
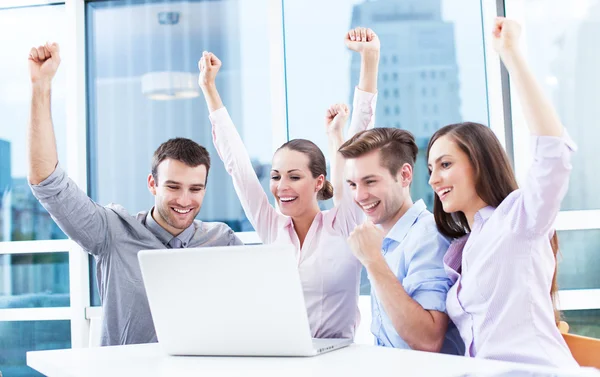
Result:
[{"x": 234, "y": 300}]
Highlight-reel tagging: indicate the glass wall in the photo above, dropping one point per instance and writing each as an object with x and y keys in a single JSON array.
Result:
[
  {"x": 21, "y": 216},
  {"x": 135, "y": 53},
  {"x": 18, "y": 338},
  {"x": 583, "y": 322},
  {"x": 38, "y": 280},
  {"x": 30, "y": 280},
  {"x": 142, "y": 84}
]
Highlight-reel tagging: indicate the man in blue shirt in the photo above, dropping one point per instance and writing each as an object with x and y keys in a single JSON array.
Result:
[{"x": 403, "y": 253}]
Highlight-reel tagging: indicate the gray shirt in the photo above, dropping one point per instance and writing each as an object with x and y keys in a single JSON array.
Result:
[{"x": 114, "y": 237}]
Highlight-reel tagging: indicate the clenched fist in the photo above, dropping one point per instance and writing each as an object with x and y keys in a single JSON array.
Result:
[
  {"x": 43, "y": 63},
  {"x": 506, "y": 36},
  {"x": 209, "y": 66},
  {"x": 366, "y": 241},
  {"x": 362, "y": 40},
  {"x": 336, "y": 117}
]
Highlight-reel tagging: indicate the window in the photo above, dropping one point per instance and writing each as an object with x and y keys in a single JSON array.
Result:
[
  {"x": 128, "y": 116},
  {"x": 452, "y": 34},
  {"x": 21, "y": 216},
  {"x": 397, "y": 110},
  {"x": 583, "y": 322},
  {"x": 18, "y": 338},
  {"x": 29, "y": 279},
  {"x": 395, "y": 76},
  {"x": 396, "y": 93},
  {"x": 36, "y": 280}
]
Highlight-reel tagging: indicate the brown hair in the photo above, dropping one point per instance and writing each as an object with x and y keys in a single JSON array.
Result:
[
  {"x": 184, "y": 150},
  {"x": 316, "y": 163},
  {"x": 494, "y": 181},
  {"x": 397, "y": 147}
]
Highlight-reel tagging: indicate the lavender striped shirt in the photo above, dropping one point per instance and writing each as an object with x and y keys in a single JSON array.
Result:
[{"x": 500, "y": 300}]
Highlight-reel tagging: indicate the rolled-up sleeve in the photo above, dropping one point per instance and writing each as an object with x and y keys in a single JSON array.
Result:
[{"x": 426, "y": 281}]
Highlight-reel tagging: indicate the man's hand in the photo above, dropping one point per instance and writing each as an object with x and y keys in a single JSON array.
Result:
[
  {"x": 366, "y": 241},
  {"x": 362, "y": 40},
  {"x": 209, "y": 66},
  {"x": 43, "y": 63},
  {"x": 336, "y": 117}
]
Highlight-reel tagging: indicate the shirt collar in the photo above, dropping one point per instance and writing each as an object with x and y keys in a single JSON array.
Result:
[
  {"x": 289, "y": 223},
  {"x": 163, "y": 235},
  {"x": 484, "y": 214},
  {"x": 403, "y": 225}
]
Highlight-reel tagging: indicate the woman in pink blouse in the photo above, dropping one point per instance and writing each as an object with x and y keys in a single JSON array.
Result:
[
  {"x": 503, "y": 258},
  {"x": 329, "y": 272}
]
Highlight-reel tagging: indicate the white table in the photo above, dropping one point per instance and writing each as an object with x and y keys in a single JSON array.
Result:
[{"x": 356, "y": 360}]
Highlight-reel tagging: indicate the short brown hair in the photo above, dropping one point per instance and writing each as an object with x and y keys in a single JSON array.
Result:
[
  {"x": 397, "y": 147},
  {"x": 316, "y": 163},
  {"x": 184, "y": 150}
]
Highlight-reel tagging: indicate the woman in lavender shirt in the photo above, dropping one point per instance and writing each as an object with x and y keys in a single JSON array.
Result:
[{"x": 503, "y": 257}]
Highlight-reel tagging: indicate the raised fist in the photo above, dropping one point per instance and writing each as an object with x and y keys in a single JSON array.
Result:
[
  {"x": 506, "y": 36},
  {"x": 336, "y": 117},
  {"x": 362, "y": 40},
  {"x": 43, "y": 63},
  {"x": 209, "y": 66}
]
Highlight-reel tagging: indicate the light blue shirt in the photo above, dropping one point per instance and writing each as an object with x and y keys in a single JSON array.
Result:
[{"x": 414, "y": 251}]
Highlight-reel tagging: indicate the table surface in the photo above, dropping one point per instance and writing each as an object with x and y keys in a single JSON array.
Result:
[{"x": 356, "y": 360}]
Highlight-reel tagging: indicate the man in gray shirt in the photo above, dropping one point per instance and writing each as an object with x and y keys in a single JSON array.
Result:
[{"x": 113, "y": 236}]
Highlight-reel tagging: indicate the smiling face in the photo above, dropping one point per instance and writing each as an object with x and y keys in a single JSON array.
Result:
[
  {"x": 178, "y": 194},
  {"x": 381, "y": 195},
  {"x": 453, "y": 178},
  {"x": 292, "y": 183}
]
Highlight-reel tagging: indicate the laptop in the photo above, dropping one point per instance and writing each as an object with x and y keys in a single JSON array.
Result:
[{"x": 230, "y": 301}]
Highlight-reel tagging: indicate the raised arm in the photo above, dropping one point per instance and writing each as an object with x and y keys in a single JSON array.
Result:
[
  {"x": 234, "y": 155},
  {"x": 84, "y": 221},
  {"x": 540, "y": 115},
  {"x": 43, "y": 158},
  {"x": 366, "y": 43},
  {"x": 548, "y": 178},
  {"x": 335, "y": 120}
]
